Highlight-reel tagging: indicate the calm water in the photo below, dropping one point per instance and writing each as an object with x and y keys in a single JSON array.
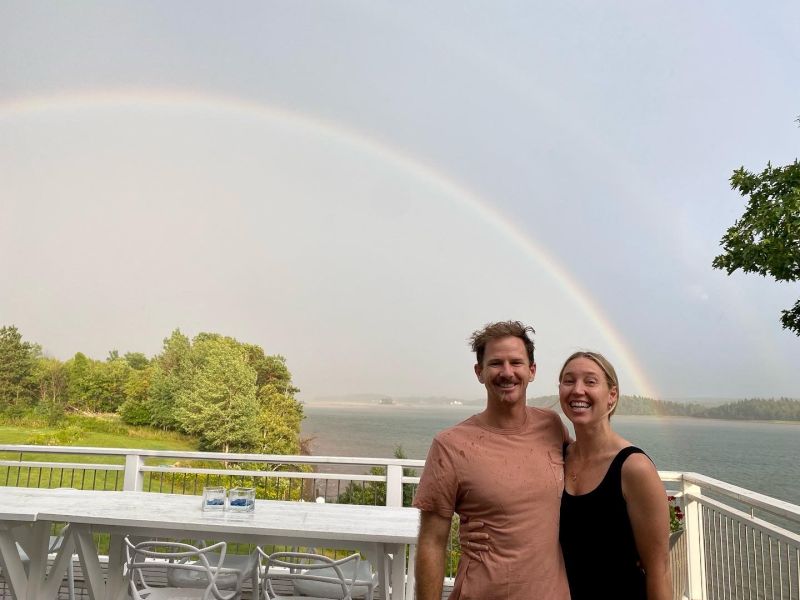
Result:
[{"x": 764, "y": 457}]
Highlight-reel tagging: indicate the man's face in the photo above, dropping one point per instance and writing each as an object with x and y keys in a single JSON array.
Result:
[{"x": 505, "y": 371}]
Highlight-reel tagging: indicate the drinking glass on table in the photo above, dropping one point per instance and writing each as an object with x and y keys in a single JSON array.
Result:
[
  {"x": 213, "y": 498},
  {"x": 241, "y": 499}
]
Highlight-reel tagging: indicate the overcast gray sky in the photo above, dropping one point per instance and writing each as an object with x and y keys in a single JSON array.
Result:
[{"x": 359, "y": 185}]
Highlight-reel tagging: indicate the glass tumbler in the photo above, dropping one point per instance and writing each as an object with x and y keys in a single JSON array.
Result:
[
  {"x": 213, "y": 498},
  {"x": 242, "y": 499}
]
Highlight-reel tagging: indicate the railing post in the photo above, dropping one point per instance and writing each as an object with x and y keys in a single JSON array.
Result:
[
  {"x": 394, "y": 485},
  {"x": 134, "y": 478},
  {"x": 695, "y": 541}
]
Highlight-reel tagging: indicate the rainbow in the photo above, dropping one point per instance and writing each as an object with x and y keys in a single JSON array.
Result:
[{"x": 469, "y": 200}]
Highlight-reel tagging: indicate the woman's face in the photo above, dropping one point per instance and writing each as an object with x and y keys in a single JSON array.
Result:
[{"x": 584, "y": 392}]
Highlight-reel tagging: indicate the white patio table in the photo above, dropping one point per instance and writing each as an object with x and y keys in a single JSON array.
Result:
[
  {"x": 19, "y": 524},
  {"x": 16, "y": 524},
  {"x": 381, "y": 533}
]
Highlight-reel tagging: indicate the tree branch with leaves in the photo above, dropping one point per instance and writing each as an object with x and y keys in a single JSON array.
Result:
[{"x": 766, "y": 239}]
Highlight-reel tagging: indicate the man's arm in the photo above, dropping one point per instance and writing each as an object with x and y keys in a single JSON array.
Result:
[{"x": 433, "y": 533}]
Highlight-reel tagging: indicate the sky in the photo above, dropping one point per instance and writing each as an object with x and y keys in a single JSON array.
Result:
[{"x": 359, "y": 185}]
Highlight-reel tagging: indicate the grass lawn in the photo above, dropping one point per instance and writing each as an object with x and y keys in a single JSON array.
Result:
[
  {"x": 135, "y": 437},
  {"x": 106, "y": 431},
  {"x": 116, "y": 436}
]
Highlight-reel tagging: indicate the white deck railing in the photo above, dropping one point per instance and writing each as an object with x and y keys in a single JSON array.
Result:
[{"x": 737, "y": 544}]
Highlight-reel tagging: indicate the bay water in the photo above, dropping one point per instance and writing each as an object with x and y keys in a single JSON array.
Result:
[{"x": 760, "y": 456}]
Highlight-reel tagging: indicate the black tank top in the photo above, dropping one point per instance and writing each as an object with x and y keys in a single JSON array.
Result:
[{"x": 597, "y": 540}]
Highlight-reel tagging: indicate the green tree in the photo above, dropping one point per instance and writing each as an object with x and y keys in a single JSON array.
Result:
[
  {"x": 51, "y": 380},
  {"x": 229, "y": 394},
  {"x": 17, "y": 370},
  {"x": 79, "y": 384},
  {"x": 97, "y": 386},
  {"x": 271, "y": 370},
  {"x": 136, "y": 360},
  {"x": 176, "y": 353},
  {"x": 111, "y": 377},
  {"x": 766, "y": 239},
  {"x": 280, "y": 413},
  {"x": 279, "y": 420},
  {"x": 136, "y": 409},
  {"x": 218, "y": 404},
  {"x": 374, "y": 492},
  {"x": 161, "y": 395},
  {"x": 169, "y": 376}
]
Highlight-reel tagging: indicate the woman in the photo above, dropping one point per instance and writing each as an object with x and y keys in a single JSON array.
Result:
[{"x": 614, "y": 528}]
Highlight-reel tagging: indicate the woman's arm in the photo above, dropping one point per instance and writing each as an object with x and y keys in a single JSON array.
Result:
[
  {"x": 648, "y": 512},
  {"x": 473, "y": 540}
]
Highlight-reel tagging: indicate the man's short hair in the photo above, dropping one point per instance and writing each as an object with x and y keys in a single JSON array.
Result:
[{"x": 501, "y": 329}]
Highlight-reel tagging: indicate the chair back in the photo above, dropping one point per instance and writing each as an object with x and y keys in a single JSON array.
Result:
[
  {"x": 335, "y": 577},
  {"x": 162, "y": 556}
]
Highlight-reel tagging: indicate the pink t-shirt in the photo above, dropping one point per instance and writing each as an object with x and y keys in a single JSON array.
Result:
[{"x": 512, "y": 480}]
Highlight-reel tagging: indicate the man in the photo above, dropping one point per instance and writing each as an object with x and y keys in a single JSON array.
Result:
[{"x": 504, "y": 467}]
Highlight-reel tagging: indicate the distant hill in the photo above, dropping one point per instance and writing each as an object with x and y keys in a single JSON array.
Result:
[
  {"x": 436, "y": 401},
  {"x": 759, "y": 409},
  {"x": 703, "y": 400},
  {"x": 764, "y": 409},
  {"x": 346, "y": 399},
  {"x": 395, "y": 400}
]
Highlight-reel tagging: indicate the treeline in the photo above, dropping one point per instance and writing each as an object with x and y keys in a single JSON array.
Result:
[
  {"x": 230, "y": 395},
  {"x": 642, "y": 405},
  {"x": 765, "y": 409}
]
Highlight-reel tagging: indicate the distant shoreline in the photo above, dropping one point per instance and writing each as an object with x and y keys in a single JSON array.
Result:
[
  {"x": 328, "y": 404},
  {"x": 357, "y": 404},
  {"x": 732, "y": 450}
]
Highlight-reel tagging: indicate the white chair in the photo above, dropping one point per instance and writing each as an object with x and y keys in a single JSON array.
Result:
[
  {"x": 363, "y": 587},
  {"x": 234, "y": 567},
  {"x": 53, "y": 545},
  {"x": 155, "y": 556},
  {"x": 321, "y": 578}
]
